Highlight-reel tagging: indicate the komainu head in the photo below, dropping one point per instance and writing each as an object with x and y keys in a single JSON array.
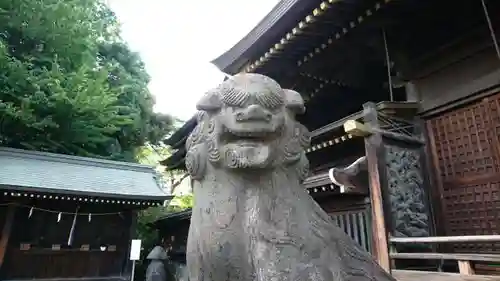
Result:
[{"x": 248, "y": 122}]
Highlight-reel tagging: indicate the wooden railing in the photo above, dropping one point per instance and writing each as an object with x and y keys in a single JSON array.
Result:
[{"x": 465, "y": 261}]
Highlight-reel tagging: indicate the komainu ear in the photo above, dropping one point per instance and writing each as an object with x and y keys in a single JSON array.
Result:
[
  {"x": 294, "y": 101},
  {"x": 209, "y": 102}
]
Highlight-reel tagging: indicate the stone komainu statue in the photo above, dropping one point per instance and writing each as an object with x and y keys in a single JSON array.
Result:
[
  {"x": 156, "y": 268},
  {"x": 252, "y": 218}
]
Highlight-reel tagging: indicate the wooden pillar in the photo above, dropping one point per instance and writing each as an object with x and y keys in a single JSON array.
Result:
[
  {"x": 375, "y": 158},
  {"x": 132, "y": 216},
  {"x": 6, "y": 231}
]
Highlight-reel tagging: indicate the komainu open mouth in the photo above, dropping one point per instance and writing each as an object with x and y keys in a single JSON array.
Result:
[{"x": 244, "y": 136}]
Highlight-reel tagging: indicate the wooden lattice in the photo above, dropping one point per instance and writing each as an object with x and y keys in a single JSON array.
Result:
[
  {"x": 353, "y": 215},
  {"x": 356, "y": 224},
  {"x": 466, "y": 149}
]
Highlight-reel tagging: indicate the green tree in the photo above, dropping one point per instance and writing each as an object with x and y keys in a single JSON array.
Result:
[
  {"x": 146, "y": 217},
  {"x": 181, "y": 203},
  {"x": 127, "y": 73},
  {"x": 69, "y": 84}
]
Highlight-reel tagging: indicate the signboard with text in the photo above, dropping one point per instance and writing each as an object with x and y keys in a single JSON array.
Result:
[{"x": 135, "y": 250}]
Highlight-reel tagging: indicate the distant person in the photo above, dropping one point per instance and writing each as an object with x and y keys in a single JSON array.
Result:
[{"x": 156, "y": 268}]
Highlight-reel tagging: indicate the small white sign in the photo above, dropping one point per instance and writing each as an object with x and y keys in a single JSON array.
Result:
[{"x": 135, "y": 250}]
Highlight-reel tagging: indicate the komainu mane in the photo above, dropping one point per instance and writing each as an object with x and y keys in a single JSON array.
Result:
[{"x": 252, "y": 218}]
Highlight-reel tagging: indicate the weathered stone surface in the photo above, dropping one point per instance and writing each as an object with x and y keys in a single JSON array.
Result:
[
  {"x": 156, "y": 268},
  {"x": 252, "y": 218}
]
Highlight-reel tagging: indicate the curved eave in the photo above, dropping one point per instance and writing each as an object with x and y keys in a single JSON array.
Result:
[
  {"x": 276, "y": 33},
  {"x": 275, "y": 23},
  {"x": 171, "y": 219},
  {"x": 175, "y": 158},
  {"x": 181, "y": 134},
  {"x": 181, "y": 165},
  {"x": 57, "y": 195},
  {"x": 182, "y": 142}
]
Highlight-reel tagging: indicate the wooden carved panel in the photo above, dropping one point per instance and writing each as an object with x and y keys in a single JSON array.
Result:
[
  {"x": 466, "y": 152},
  {"x": 407, "y": 195}
]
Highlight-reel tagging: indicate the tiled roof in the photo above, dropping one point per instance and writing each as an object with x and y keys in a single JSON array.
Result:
[
  {"x": 267, "y": 31},
  {"x": 172, "y": 218},
  {"x": 64, "y": 174}
]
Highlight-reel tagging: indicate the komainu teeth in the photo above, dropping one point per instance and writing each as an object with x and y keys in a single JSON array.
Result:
[{"x": 240, "y": 134}]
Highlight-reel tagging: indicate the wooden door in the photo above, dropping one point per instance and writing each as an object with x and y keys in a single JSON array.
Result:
[{"x": 466, "y": 155}]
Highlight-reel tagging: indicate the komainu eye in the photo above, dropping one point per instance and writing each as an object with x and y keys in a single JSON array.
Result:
[
  {"x": 269, "y": 99},
  {"x": 235, "y": 97}
]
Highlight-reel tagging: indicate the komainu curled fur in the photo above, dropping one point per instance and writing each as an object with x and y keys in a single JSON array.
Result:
[{"x": 252, "y": 218}]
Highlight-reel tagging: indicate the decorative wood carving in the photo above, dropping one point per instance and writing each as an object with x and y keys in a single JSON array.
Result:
[{"x": 408, "y": 198}]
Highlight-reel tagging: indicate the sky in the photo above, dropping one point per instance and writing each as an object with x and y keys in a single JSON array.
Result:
[{"x": 178, "y": 39}]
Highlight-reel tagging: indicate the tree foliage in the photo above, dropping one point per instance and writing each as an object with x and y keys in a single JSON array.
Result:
[
  {"x": 69, "y": 84},
  {"x": 146, "y": 217}
]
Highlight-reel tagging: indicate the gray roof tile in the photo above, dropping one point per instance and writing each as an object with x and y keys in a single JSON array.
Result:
[{"x": 63, "y": 174}]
